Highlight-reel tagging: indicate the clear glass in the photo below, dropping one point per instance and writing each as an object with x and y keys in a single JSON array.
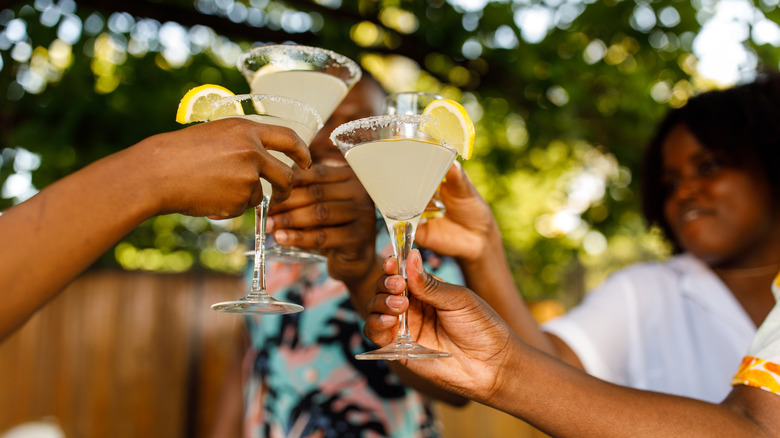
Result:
[
  {"x": 414, "y": 102},
  {"x": 318, "y": 77},
  {"x": 305, "y": 121},
  {"x": 400, "y": 166}
]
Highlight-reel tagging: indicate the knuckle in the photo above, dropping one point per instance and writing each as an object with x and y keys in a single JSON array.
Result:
[
  {"x": 320, "y": 239},
  {"x": 430, "y": 282},
  {"x": 316, "y": 191},
  {"x": 321, "y": 212},
  {"x": 282, "y": 220},
  {"x": 321, "y": 171}
]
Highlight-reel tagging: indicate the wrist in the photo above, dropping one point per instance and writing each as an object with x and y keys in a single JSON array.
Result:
[
  {"x": 134, "y": 182},
  {"x": 363, "y": 288},
  {"x": 508, "y": 386},
  {"x": 144, "y": 174},
  {"x": 365, "y": 275},
  {"x": 491, "y": 252}
]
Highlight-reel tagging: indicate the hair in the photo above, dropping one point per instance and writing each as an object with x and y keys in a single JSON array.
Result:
[{"x": 740, "y": 125}]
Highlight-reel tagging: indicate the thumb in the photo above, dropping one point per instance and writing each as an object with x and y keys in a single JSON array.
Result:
[
  {"x": 457, "y": 183},
  {"x": 431, "y": 290}
]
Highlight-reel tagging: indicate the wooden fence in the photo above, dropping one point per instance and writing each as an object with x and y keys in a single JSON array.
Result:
[{"x": 121, "y": 354}]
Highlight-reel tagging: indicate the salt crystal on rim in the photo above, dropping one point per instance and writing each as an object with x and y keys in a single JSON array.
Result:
[
  {"x": 303, "y": 106},
  {"x": 375, "y": 122},
  {"x": 354, "y": 70}
]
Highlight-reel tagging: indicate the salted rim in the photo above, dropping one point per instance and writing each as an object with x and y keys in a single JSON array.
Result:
[
  {"x": 340, "y": 59},
  {"x": 374, "y": 122},
  {"x": 273, "y": 98}
]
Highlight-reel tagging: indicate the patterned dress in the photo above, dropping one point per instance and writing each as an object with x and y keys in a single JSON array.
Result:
[
  {"x": 761, "y": 365},
  {"x": 303, "y": 379}
]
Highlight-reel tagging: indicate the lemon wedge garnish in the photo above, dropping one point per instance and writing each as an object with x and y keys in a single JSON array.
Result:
[
  {"x": 268, "y": 68},
  {"x": 453, "y": 126},
  {"x": 197, "y": 104}
]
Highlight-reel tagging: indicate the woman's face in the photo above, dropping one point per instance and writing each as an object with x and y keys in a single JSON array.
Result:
[{"x": 723, "y": 215}]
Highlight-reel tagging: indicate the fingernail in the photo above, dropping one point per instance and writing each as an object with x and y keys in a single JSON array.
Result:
[
  {"x": 280, "y": 237},
  {"x": 418, "y": 264},
  {"x": 269, "y": 224},
  {"x": 394, "y": 302},
  {"x": 388, "y": 319},
  {"x": 391, "y": 283}
]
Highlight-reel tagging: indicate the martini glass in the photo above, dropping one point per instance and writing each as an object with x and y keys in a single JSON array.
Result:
[
  {"x": 414, "y": 102},
  {"x": 305, "y": 121},
  {"x": 399, "y": 165},
  {"x": 318, "y": 77}
]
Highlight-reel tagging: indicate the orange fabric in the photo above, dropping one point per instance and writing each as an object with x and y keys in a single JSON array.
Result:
[{"x": 758, "y": 373}]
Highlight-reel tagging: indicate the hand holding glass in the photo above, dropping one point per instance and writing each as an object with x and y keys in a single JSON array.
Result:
[
  {"x": 400, "y": 166},
  {"x": 320, "y": 78},
  {"x": 305, "y": 122}
]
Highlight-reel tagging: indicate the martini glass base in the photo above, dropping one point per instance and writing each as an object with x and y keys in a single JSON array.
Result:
[
  {"x": 267, "y": 305},
  {"x": 402, "y": 350},
  {"x": 290, "y": 254},
  {"x": 293, "y": 254}
]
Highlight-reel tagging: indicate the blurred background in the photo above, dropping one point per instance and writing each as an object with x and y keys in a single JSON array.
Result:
[{"x": 564, "y": 95}]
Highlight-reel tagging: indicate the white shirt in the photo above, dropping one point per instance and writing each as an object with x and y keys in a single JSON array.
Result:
[{"x": 671, "y": 327}]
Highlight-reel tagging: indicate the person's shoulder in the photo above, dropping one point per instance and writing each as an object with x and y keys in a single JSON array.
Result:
[
  {"x": 649, "y": 279},
  {"x": 656, "y": 270}
]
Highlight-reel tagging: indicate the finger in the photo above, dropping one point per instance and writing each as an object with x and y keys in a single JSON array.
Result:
[
  {"x": 322, "y": 214},
  {"x": 286, "y": 141},
  {"x": 322, "y": 174},
  {"x": 301, "y": 196},
  {"x": 391, "y": 284},
  {"x": 389, "y": 304},
  {"x": 280, "y": 184},
  {"x": 256, "y": 194},
  {"x": 276, "y": 173},
  {"x": 456, "y": 182},
  {"x": 381, "y": 328},
  {"x": 320, "y": 238},
  {"x": 390, "y": 265},
  {"x": 431, "y": 290}
]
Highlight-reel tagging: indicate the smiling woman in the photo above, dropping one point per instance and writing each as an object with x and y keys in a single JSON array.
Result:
[
  {"x": 681, "y": 326},
  {"x": 711, "y": 183},
  {"x": 714, "y": 208}
]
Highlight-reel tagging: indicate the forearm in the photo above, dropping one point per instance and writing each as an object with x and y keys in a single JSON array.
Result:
[
  {"x": 564, "y": 401},
  {"x": 54, "y": 236},
  {"x": 490, "y": 277},
  {"x": 363, "y": 288}
]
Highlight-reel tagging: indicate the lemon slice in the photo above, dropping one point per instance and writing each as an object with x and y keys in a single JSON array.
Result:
[
  {"x": 268, "y": 68},
  {"x": 453, "y": 126},
  {"x": 196, "y": 105}
]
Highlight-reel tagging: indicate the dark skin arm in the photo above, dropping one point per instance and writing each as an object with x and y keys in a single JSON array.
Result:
[
  {"x": 494, "y": 366},
  {"x": 469, "y": 233},
  {"x": 211, "y": 169}
]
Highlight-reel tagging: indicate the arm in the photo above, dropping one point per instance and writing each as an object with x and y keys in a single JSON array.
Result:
[
  {"x": 492, "y": 365},
  {"x": 469, "y": 232},
  {"x": 209, "y": 169}
]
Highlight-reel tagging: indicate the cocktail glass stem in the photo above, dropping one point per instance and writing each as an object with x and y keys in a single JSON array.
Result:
[
  {"x": 258, "y": 274},
  {"x": 258, "y": 300},
  {"x": 404, "y": 347},
  {"x": 402, "y": 237}
]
